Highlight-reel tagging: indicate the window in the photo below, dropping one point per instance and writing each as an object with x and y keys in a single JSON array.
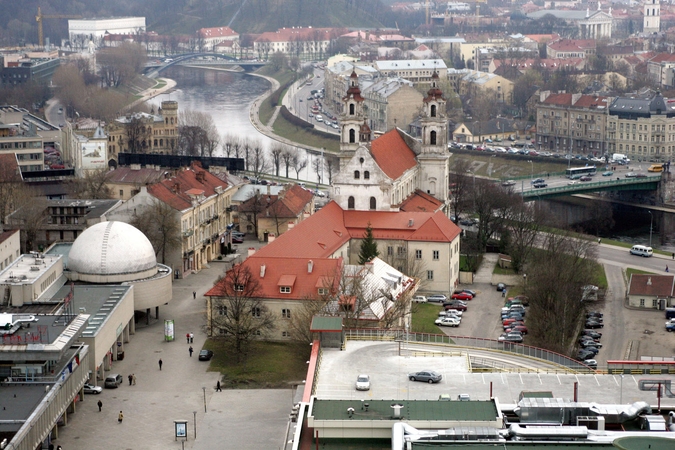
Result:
[
  {"x": 436, "y": 255},
  {"x": 390, "y": 251},
  {"x": 366, "y": 175},
  {"x": 222, "y": 310},
  {"x": 323, "y": 291},
  {"x": 255, "y": 311},
  {"x": 400, "y": 251},
  {"x": 350, "y": 203},
  {"x": 432, "y": 138},
  {"x": 430, "y": 275},
  {"x": 654, "y": 303},
  {"x": 373, "y": 203},
  {"x": 357, "y": 174},
  {"x": 285, "y": 289},
  {"x": 121, "y": 192},
  {"x": 286, "y": 313},
  {"x": 285, "y": 334},
  {"x": 418, "y": 254},
  {"x": 642, "y": 302},
  {"x": 433, "y": 110},
  {"x": 352, "y": 136},
  {"x": 239, "y": 288},
  {"x": 351, "y": 109}
]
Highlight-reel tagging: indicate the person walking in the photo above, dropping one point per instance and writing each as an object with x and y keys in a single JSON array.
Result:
[
  {"x": 192, "y": 338},
  {"x": 160, "y": 363},
  {"x": 100, "y": 405},
  {"x": 666, "y": 268},
  {"x": 194, "y": 295},
  {"x": 190, "y": 350},
  {"x": 133, "y": 378},
  {"x": 673, "y": 255},
  {"x": 187, "y": 337},
  {"x": 120, "y": 417},
  {"x": 218, "y": 387}
]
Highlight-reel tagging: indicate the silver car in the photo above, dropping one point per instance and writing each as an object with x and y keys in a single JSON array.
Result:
[
  {"x": 426, "y": 375},
  {"x": 363, "y": 382}
]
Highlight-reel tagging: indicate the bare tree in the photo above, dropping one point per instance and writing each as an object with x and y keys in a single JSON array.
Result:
[
  {"x": 119, "y": 65},
  {"x": 492, "y": 205},
  {"x": 301, "y": 320},
  {"x": 258, "y": 163},
  {"x": 299, "y": 163},
  {"x": 524, "y": 223},
  {"x": 92, "y": 185},
  {"x": 30, "y": 219},
  {"x": 161, "y": 224},
  {"x": 276, "y": 152},
  {"x": 238, "y": 314},
  {"x": 332, "y": 167},
  {"x": 13, "y": 192},
  {"x": 288, "y": 156},
  {"x": 317, "y": 167},
  {"x": 460, "y": 188},
  {"x": 198, "y": 135},
  {"x": 137, "y": 133}
]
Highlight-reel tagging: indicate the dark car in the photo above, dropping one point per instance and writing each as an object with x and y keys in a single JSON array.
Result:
[
  {"x": 592, "y": 324},
  {"x": 539, "y": 185},
  {"x": 205, "y": 355},
  {"x": 594, "y": 314},
  {"x": 592, "y": 333},
  {"x": 583, "y": 355},
  {"x": 461, "y": 296},
  {"x": 428, "y": 376},
  {"x": 457, "y": 306},
  {"x": 455, "y": 302},
  {"x": 469, "y": 291},
  {"x": 590, "y": 343},
  {"x": 538, "y": 180},
  {"x": 237, "y": 240},
  {"x": 640, "y": 175},
  {"x": 501, "y": 287},
  {"x": 591, "y": 349},
  {"x": 586, "y": 178}
]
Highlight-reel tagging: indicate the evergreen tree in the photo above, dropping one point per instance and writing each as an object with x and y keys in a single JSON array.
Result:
[{"x": 368, "y": 247}]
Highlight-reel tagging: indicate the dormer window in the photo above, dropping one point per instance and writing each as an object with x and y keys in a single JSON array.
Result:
[
  {"x": 285, "y": 289},
  {"x": 239, "y": 288}
]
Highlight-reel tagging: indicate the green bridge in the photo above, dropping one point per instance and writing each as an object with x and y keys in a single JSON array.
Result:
[{"x": 650, "y": 183}]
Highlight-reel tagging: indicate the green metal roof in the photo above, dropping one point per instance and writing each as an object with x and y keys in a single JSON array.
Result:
[
  {"x": 640, "y": 443},
  {"x": 485, "y": 411},
  {"x": 326, "y": 324}
]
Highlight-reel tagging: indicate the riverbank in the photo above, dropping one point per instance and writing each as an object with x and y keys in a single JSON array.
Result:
[{"x": 163, "y": 85}]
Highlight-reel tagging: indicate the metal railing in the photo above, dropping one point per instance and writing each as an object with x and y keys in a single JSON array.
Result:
[{"x": 591, "y": 186}]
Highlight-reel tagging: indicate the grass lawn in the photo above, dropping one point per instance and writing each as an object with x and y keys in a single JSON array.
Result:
[
  {"x": 630, "y": 271},
  {"x": 266, "y": 111},
  {"x": 284, "y": 128},
  {"x": 269, "y": 365},
  {"x": 423, "y": 317}
]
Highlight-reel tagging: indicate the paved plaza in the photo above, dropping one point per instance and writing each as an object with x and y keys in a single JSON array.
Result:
[{"x": 237, "y": 419}]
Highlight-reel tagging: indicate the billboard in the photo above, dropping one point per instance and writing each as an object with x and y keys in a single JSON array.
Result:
[{"x": 94, "y": 155}]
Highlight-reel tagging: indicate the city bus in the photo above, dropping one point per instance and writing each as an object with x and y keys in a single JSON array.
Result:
[{"x": 577, "y": 172}]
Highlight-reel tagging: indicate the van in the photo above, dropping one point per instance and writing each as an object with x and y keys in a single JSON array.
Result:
[
  {"x": 641, "y": 250},
  {"x": 655, "y": 168},
  {"x": 319, "y": 118},
  {"x": 113, "y": 380},
  {"x": 463, "y": 398},
  {"x": 670, "y": 313}
]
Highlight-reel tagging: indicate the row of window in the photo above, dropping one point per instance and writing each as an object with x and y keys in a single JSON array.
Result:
[
  {"x": 255, "y": 311},
  {"x": 372, "y": 203}
]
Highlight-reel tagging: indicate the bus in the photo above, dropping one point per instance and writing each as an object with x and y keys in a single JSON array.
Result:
[{"x": 577, "y": 172}]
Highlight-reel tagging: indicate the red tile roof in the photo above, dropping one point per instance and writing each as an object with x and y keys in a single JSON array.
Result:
[
  {"x": 591, "y": 101},
  {"x": 651, "y": 285},
  {"x": 662, "y": 57},
  {"x": 134, "y": 176},
  {"x": 426, "y": 226},
  {"x": 558, "y": 99},
  {"x": 174, "y": 191},
  {"x": 420, "y": 201},
  {"x": 9, "y": 172},
  {"x": 288, "y": 204},
  {"x": 392, "y": 154},
  {"x": 290, "y": 271},
  {"x": 217, "y": 32}
]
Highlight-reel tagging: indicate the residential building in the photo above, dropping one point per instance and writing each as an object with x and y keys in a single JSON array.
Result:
[
  {"x": 82, "y": 32},
  {"x": 572, "y": 123},
  {"x": 379, "y": 175},
  {"x": 305, "y": 43},
  {"x": 642, "y": 128},
  {"x": 91, "y": 153},
  {"x": 648, "y": 290},
  {"x": 200, "y": 202},
  {"x": 336, "y": 81},
  {"x": 59, "y": 220},
  {"x": 18, "y": 69},
  {"x": 471, "y": 82},
  {"x": 415, "y": 70},
  {"x": 125, "y": 182},
  {"x": 387, "y": 101},
  {"x": 213, "y": 37},
  {"x": 271, "y": 215},
  {"x": 477, "y": 132},
  {"x": 661, "y": 70},
  {"x": 152, "y": 133},
  {"x": 10, "y": 247},
  {"x": 570, "y": 48}
]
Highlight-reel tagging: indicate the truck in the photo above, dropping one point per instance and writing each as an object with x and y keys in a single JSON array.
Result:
[
  {"x": 620, "y": 158},
  {"x": 670, "y": 313}
]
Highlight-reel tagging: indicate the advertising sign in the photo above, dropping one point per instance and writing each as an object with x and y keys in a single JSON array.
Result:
[
  {"x": 168, "y": 330},
  {"x": 93, "y": 155}
]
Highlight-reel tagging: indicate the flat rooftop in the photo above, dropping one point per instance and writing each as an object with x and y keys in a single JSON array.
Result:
[{"x": 27, "y": 268}]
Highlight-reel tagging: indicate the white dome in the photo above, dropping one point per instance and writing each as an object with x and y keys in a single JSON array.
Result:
[{"x": 112, "y": 248}]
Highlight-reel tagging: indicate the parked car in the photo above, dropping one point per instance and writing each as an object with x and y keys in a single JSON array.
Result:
[
  {"x": 457, "y": 307},
  {"x": 523, "y": 299},
  {"x": 469, "y": 291},
  {"x": 589, "y": 343},
  {"x": 461, "y": 296},
  {"x": 521, "y": 328},
  {"x": 113, "y": 380},
  {"x": 670, "y": 327},
  {"x": 592, "y": 363},
  {"x": 419, "y": 299},
  {"x": 510, "y": 320},
  {"x": 590, "y": 314},
  {"x": 508, "y": 337},
  {"x": 450, "y": 312},
  {"x": 447, "y": 321},
  {"x": 363, "y": 382},
  {"x": 426, "y": 375},
  {"x": 90, "y": 389},
  {"x": 237, "y": 240},
  {"x": 440, "y": 298},
  {"x": 593, "y": 350},
  {"x": 205, "y": 355},
  {"x": 501, "y": 287},
  {"x": 592, "y": 333},
  {"x": 583, "y": 355},
  {"x": 592, "y": 324}
]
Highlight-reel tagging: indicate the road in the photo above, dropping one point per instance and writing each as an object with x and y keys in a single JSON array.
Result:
[
  {"x": 301, "y": 101},
  {"x": 561, "y": 181}
]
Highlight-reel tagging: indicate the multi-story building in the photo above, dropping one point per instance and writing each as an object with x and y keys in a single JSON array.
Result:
[
  {"x": 336, "y": 81},
  {"x": 125, "y": 182},
  {"x": 472, "y": 82},
  {"x": 81, "y": 32},
  {"x": 17, "y": 70},
  {"x": 661, "y": 70},
  {"x": 570, "y": 48},
  {"x": 200, "y": 202},
  {"x": 305, "y": 43},
  {"x": 642, "y": 128},
  {"x": 387, "y": 103},
  {"x": 149, "y": 133},
  {"x": 212, "y": 37},
  {"x": 415, "y": 70},
  {"x": 572, "y": 123}
]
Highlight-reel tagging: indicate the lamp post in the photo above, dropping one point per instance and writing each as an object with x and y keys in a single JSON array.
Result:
[
  {"x": 490, "y": 166},
  {"x": 525, "y": 279},
  {"x": 531, "y": 169},
  {"x": 651, "y": 221},
  {"x": 204, "y": 389},
  {"x": 194, "y": 413}
]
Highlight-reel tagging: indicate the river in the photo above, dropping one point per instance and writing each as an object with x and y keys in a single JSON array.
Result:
[{"x": 227, "y": 97}]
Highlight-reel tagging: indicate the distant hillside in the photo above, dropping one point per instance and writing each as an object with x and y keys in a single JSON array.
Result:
[{"x": 18, "y": 26}]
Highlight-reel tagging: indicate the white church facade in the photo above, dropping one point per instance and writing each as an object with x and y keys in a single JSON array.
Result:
[{"x": 381, "y": 174}]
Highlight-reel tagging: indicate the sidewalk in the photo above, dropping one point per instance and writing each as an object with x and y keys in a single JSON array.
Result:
[{"x": 248, "y": 419}]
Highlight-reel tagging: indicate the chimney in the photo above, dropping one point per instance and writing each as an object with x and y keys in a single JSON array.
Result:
[
  {"x": 411, "y": 222},
  {"x": 251, "y": 251},
  {"x": 310, "y": 266},
  {"x": 649, "y": 281},
  {"x": 262, "y": 271},
  {"x": 291, "y": 225},
  {"x": 176, "y": 187},
  {"x": 270, "y": 238}
]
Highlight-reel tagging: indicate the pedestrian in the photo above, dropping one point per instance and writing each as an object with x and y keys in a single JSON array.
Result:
[
  {"x": 187, "y": 337},
  {"x": 194, "y": 295},
  {"x": 599, "y": 240},
  {"x": 59, "y": 448},
  {"x": 666, "y": 268},
  {"x": 120, "y": 417},
  {"x": 160, "y": 363},
  {"x": 218, "y": 387},
  {"x": 100, "y": 405},
  {"x": 133, "y": 378},
  {"x": 190, "y": 350},
  {"x": 192, "y": 338},
  {"x": 673, "y": 255}
]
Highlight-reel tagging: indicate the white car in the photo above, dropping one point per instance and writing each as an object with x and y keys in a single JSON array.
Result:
[
  {"x": 363, "y": 382},
  {"x": 89, "y": 389},
  {"x": 419, "y": 299},
  {"x": 450, "y": 312},
  {"x": 447, "y": 321}
]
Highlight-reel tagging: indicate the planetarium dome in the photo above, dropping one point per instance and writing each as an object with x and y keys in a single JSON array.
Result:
[{"x": 111, "y": 252}]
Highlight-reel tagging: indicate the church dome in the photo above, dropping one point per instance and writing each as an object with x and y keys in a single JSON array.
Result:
[{"x": 112, "y": 249}]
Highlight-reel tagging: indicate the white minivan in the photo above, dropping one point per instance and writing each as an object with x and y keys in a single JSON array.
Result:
[{"x": 641, "y": 250}]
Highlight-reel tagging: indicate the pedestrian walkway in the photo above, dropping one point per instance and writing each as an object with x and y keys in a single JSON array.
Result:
[
  {"x": 182, "y": 390},
  {"x": 487, "y": 266}
]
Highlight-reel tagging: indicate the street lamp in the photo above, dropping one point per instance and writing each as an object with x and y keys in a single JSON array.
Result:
[
  {"x": 651, "y": 221},
  {"x": 525, "y": 279},
  {"x": 204, "y": 389},
  {"x": 531, "y": 169},
  {"x": 194, "y": 413},
  {"x": 490, "y": 166}
]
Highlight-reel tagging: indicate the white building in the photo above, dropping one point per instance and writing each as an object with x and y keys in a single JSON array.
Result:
[
  {"x": 83, "y": 31},
  {"x": 652, "y": 17}
]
